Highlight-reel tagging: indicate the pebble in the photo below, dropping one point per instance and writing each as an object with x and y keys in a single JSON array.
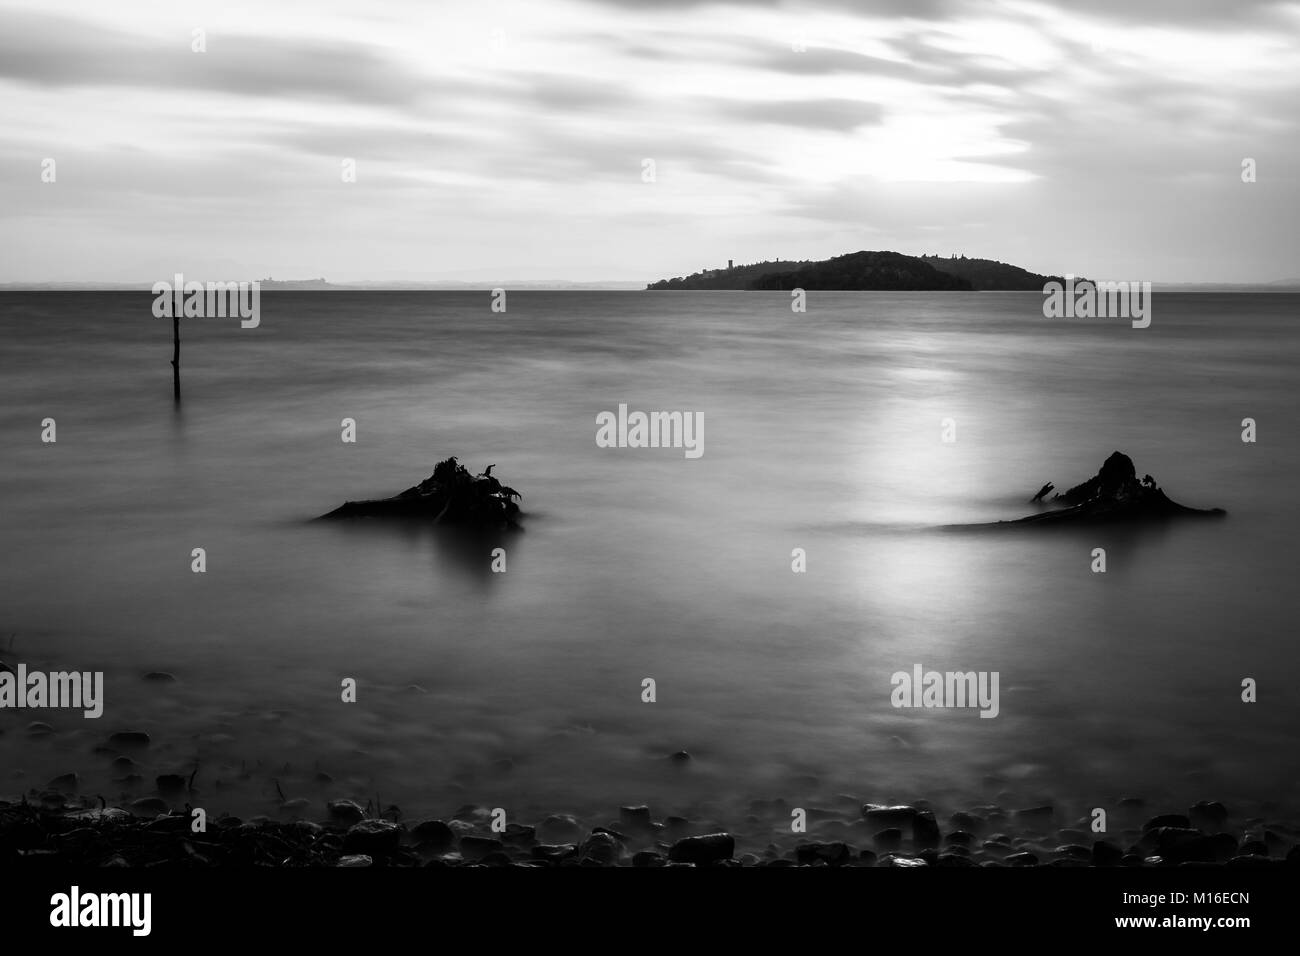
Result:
[
  {"x": 559, "y": 828},
  {"x": 355, "y": 859},
  {"x": 345, "y": 811},
  {"x": 1176, "y": 820},
  {"x": 436, "y": 834},
  {"x": 38, "y": 728},
  {"x": 634, "y": 817},
  {"x": 888, "y": 839},
  {"x": 65, "y": 783},
  {"x": 889, "y": 817},
  {"x": 601, "y": 847},
  {"x": 1208, "y": 816},
  {"x": 703, "y": 849},
  {"x": 833, "y": 854},
  {"x": 925, "y": 831},
  {"x": 1037, "y": 817},
  {"x": 518, "y": 834},
  {"x": 477, "y": 847},
  {"x": 373, "y": 838}
]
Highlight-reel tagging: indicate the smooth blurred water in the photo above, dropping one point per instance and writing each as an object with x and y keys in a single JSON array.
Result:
[{"x": 822, "y": 432}]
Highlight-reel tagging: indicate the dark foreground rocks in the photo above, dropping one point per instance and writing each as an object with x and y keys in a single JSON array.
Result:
[
  {"x": 1114, "y": 495},
  {"x": 451, "y": 495},
  {"x": 63, "y": 834}
]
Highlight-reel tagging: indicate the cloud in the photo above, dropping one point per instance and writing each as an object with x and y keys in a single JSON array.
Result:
[{"x": 59, "y": 52}]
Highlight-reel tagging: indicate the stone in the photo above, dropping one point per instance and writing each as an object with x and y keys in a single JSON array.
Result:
[
  {"x": 925, "y": 831},
  {"x": 1022, "y": 859},
  {"x": 888, "y": 839},
  {"x": 160, "y": 677},
  {"x": 554, "y": 853},
  {"x": 373, "y": 838},
  {"x": 65, "y": 783},
  {"x": 345, "y": 811},
  {"x": 477, "y": 847},
  {"x": 889, "y": 817},
  {"x": 559, "y": 828},
  {"x": 355, "y": 859},
  {"x": 1036, "y": 818},
  {"x": 833, "y": 854},
  {"x": 434, "y": 834},
  {"x": 634, "y": 817},
  {"x": 703, "y": 849},
  {"x": 519, "y": 835},
  {"x": 601, "y": 847},
  {"x": 1176, "y": 820},
  {"x": 1208, "y": 816}
]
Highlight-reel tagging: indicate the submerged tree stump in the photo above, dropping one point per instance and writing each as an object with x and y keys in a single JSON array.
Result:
[{"x": 451, "y": 495}]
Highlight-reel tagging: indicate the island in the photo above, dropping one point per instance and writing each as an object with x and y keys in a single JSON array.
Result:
[{"x": 865, "y": 272}]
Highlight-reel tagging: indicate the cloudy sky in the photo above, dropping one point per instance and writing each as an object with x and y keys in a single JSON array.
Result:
[{"x": 507, "y": 138}]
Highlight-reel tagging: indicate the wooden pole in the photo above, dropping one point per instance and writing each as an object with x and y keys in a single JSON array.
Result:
[{"x": 176, "y": 358}]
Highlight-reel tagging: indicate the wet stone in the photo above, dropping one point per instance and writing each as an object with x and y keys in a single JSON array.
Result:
[
  {"x": 559, "y": 828},
  {"x": 1209, "y": 816},
  {"x": 554, "y": 853},
  {"x": 1175, "y": 820},
  {"x": 833, "y": 854},
  {"x": 703, "y": 849},
  {"x": 1035, "y": 817},
  {"x": 925, "y": 831},
  {"x": 65, "y": 783},
  {"x": 518, "y": 834},
  {"x": 373, "y": 838},
  {"x": 889, "y": 839},
  {"x": 434, "y": 833},
  {"x": 889, "y": 817},
  {"x": 634, "y": 817},
  {"x": 345, "y": 811},
  {"x": 476, "y": 847}
]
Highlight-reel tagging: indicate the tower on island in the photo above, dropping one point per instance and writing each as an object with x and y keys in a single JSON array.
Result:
[{"x": 731, "y": 263}]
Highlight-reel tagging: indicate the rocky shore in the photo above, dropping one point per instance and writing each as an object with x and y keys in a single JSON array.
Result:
[{"x": 55, "y": 832}]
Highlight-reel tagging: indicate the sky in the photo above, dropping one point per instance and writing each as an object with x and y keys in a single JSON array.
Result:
[{"x": 620, "y": 140}]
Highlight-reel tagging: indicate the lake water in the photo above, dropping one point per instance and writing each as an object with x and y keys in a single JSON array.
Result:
[{"x": 822, "y": 432}]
